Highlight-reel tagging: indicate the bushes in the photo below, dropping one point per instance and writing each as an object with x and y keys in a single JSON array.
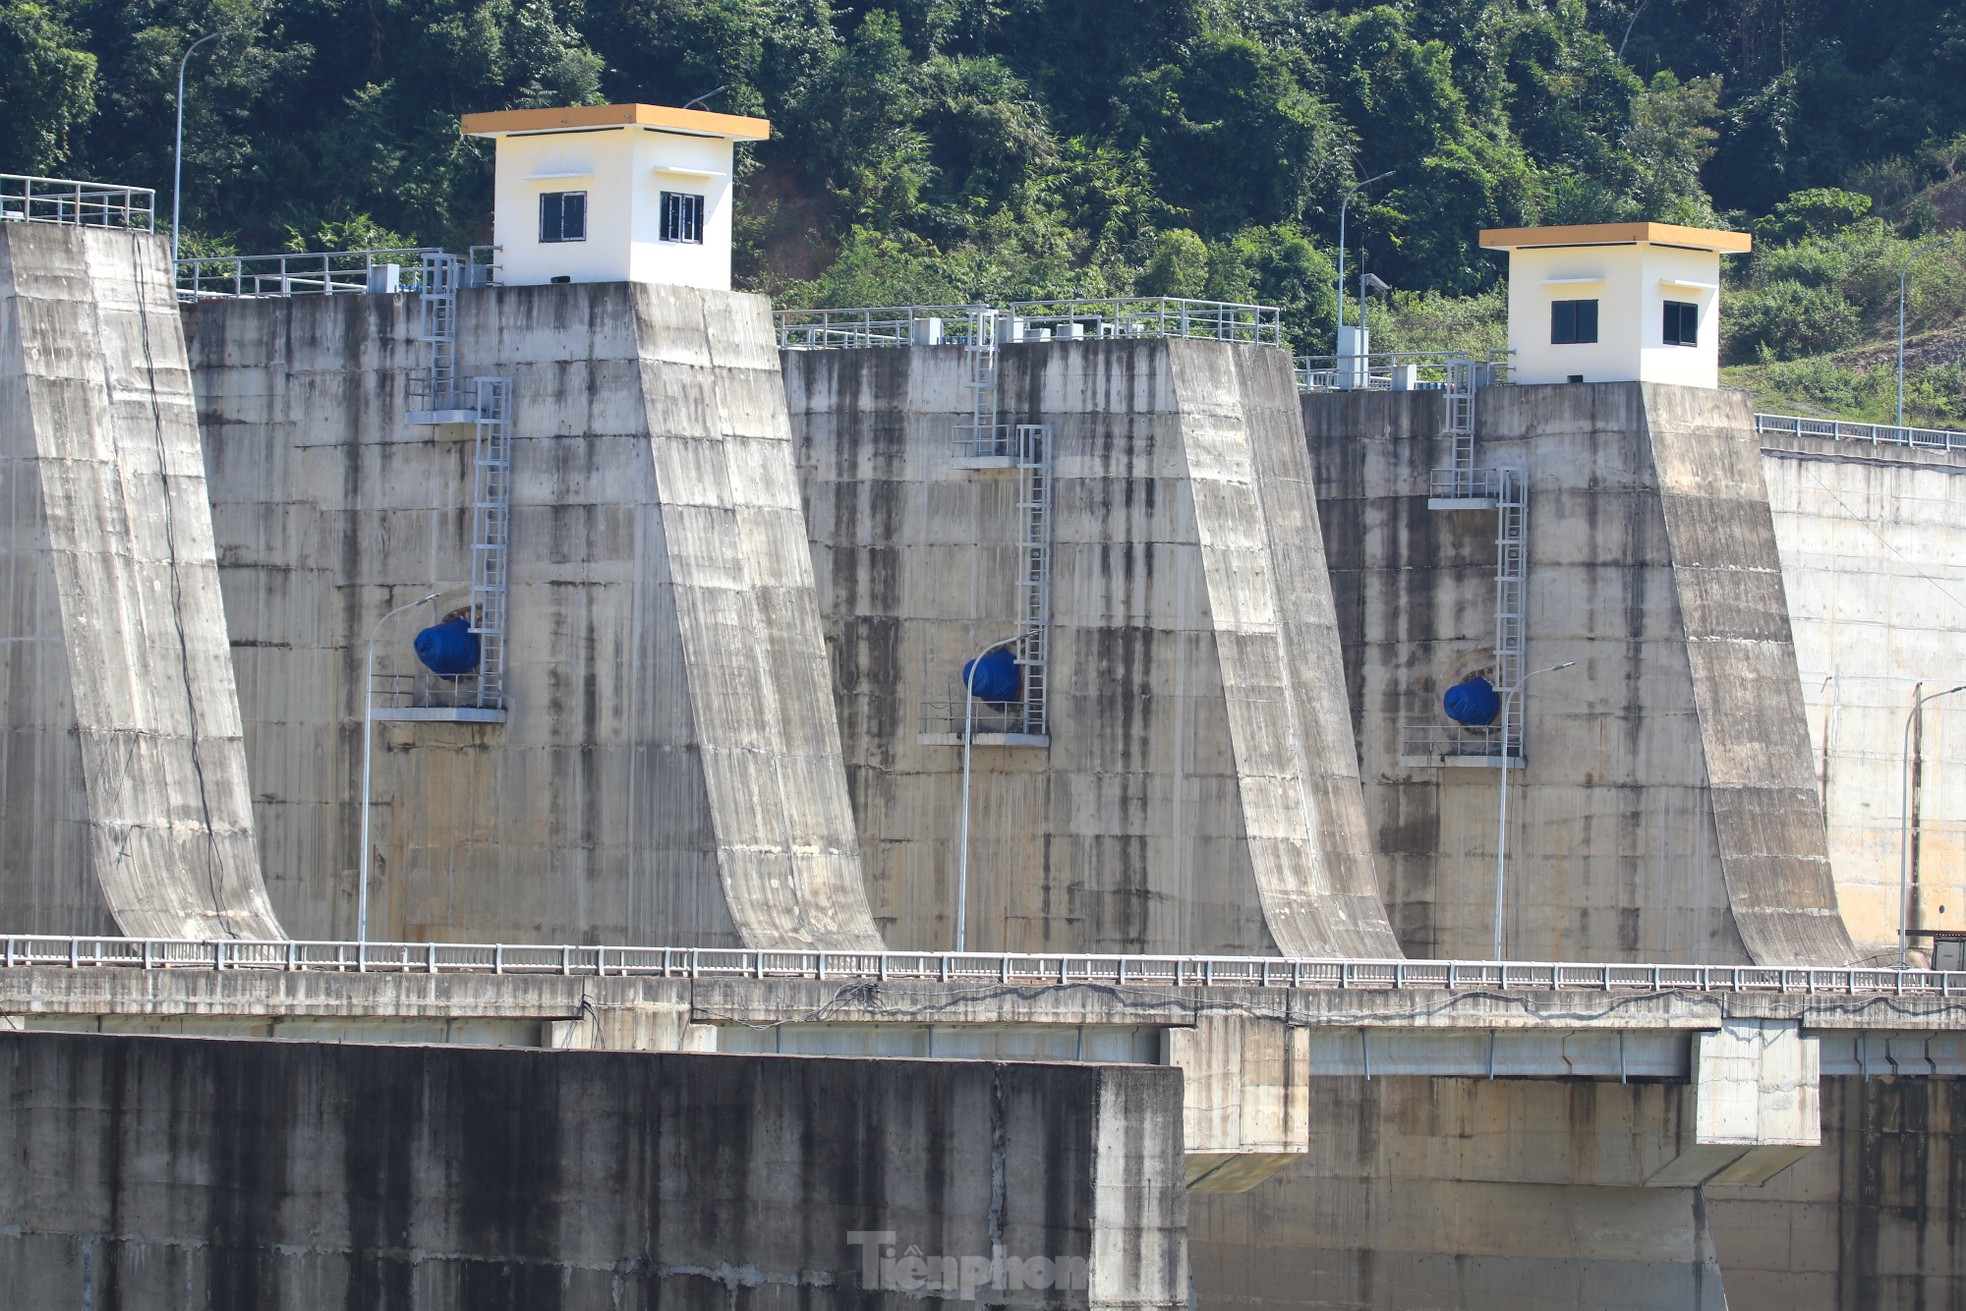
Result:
[{"x": 1786, "y": 320}]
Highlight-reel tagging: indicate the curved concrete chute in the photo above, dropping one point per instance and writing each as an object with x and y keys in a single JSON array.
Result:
[{"x": 123, "y": 791}]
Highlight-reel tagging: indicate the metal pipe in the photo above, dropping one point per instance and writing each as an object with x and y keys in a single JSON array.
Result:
[
  {"x": 368, "y": 757},
  {"x": 962, "y": 838},
  {"x": 177, "y": 166},
  {"x": 1904, "y": 832},
  {"x": 1502, "y": 822}
]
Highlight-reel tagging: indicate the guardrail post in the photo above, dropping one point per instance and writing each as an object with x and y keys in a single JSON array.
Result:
[
  {"x": 431, "y": 956},
  {"x": 498, "y": 958}
]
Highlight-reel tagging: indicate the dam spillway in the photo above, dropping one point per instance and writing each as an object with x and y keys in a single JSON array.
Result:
[{"x": 739, "y": 574}]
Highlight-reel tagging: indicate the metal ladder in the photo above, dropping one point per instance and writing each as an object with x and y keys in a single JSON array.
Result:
[
  {"x": 491, "y": 529},
  {"x": 983, "y": 436},
  {"x": 1460, "y": 485},
  {"x": 437, "y": 327},
  {"x": 487, "y": 406},
  {"x": 1511, "y": 581},
  {"x": 1034, "y": 574}
]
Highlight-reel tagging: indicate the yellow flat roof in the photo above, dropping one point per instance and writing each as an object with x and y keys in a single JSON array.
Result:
[
  {"x": 699, "y": 122},
  {"x": 1618, "y": 234}
]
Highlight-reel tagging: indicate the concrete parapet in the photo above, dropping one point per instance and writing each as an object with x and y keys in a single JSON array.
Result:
[
  {"x": 157, "y": 1172},
  {"x": 123, "y": 788},
  {"x": 1668, "y": 808},
  {"x": 1199, "y": 790},
  {"x": 669, "y": 769}
]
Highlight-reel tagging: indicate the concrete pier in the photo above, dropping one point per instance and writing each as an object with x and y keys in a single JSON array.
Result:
[
  {"x": 669, "y": 766},
  {"x": 1669, "y": 808},
  {"x": 1199, "y": 790},
  {"x": 124, "y": 803},
  {"x": 1874, "y": 566}
]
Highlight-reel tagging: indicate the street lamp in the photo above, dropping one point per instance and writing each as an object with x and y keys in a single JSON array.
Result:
[
  {"x": 368, "y": 757},
  {"x": 1502, "y": 823},
  {"x": 1368, "y": 282},
  {"x": 1904, "y": 271},
  {"x": 1904, "y": 834},
  {"x": 962, "y": 839},
  {"x": 1346, "y": 204},
  {"x": 177, "y": 167}
]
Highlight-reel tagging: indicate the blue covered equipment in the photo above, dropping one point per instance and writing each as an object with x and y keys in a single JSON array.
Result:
[
  {"x": 998, "y": 679},
  {"x": 1473, "y": 702},
  {"x": 448, "y": 648}
]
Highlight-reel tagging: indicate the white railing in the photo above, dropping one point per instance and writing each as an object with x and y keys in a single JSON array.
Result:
[
  {"x": 887, "y": 325},
  {"x": 1032, "y": 321},
  {"x": 1396, "y": 370},
  {"x": 1144, "y": 316},
  {"x": 25, "y": 199},
  {"x": 1432, "y": 743},
  {"x": 1877, "y": 434},
  {"x": 22, "y": 950},
  {"x": 315, "y": 273}
]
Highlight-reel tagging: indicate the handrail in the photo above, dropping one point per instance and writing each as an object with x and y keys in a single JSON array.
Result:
[
  {"x": 25, "y": 198},
  {"x": 309, "y": 273},
  {"x": 1066, "y": 319},
  {"x": 1877, "y": 434},
  {"x": 706, "y": 963},
  {"x": 1395, "y": 370}
]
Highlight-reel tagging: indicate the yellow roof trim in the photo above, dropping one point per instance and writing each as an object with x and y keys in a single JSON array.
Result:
[
  {"x": 1618, "y": 234},
  {"x": 701, "y": 122}
]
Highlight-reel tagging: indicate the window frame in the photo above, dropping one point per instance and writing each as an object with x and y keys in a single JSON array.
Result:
[
  {"x": 691, "y": 208},
  {"x": 556, "y": 201},
  {"x": 1576, "y": 328},
  {"x": 1686, "y": 309}
]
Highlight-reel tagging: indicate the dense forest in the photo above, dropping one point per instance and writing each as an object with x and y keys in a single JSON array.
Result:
[{"x": 946, "y": 150}]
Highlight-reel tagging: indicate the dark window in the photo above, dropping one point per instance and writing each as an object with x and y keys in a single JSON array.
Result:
[
  {"x": 563, "y": 216},
  {"x": 1573, "y": 322},
  {"x": 1682, "y": 323},
  {"x": 682, "y": 217}
]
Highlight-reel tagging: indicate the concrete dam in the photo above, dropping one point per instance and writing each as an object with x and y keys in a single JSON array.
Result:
[{"x": 709, "y": 943}]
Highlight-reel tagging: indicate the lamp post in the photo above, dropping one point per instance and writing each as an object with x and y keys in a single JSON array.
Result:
[
  {"x": 177, "y": 166},
  {"x": 1345, "y": 205},
  {"x": 1904, "y": 833},
  {"x": 1368, "y": 282},
  {"x": 1502, "y": 822},
  {"x": 962, "y": 838},
  {"x": 368, "y": 757},
  {"x": 1904, "y": 271}
]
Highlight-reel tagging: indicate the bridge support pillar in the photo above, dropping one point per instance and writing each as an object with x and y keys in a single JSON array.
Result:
[
  {"x": 1247, "y": 1105},
  {"x": 1755, "y": 1106}
]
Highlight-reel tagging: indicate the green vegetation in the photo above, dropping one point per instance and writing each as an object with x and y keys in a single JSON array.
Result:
[{"x": 944, "y": 150}]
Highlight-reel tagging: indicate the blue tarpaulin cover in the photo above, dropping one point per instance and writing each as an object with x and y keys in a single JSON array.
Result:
[
  {"x": 1472, "y": 701},
  {"x": 997, "y": 676},
  {"x": 449, "y": 648}
]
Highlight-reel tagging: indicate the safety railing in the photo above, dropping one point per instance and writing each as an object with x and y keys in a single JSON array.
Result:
[
  {"x": 1467, "y": 484},
  {"x": 888, "y": 325},
  {"x": 1431, "y": 744},
  {"x": 40, "y": 951},
  {"x": 1143, "y": 316},
  {"x": 422, "y": 690},
  {"x": 27, "y": 199},
  {"x": 1877, "y": 434},
  {"x": 1031, "y": 321},
  {"x": 315, "y": 273},
  {"x": 1396, "y": 370}
]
